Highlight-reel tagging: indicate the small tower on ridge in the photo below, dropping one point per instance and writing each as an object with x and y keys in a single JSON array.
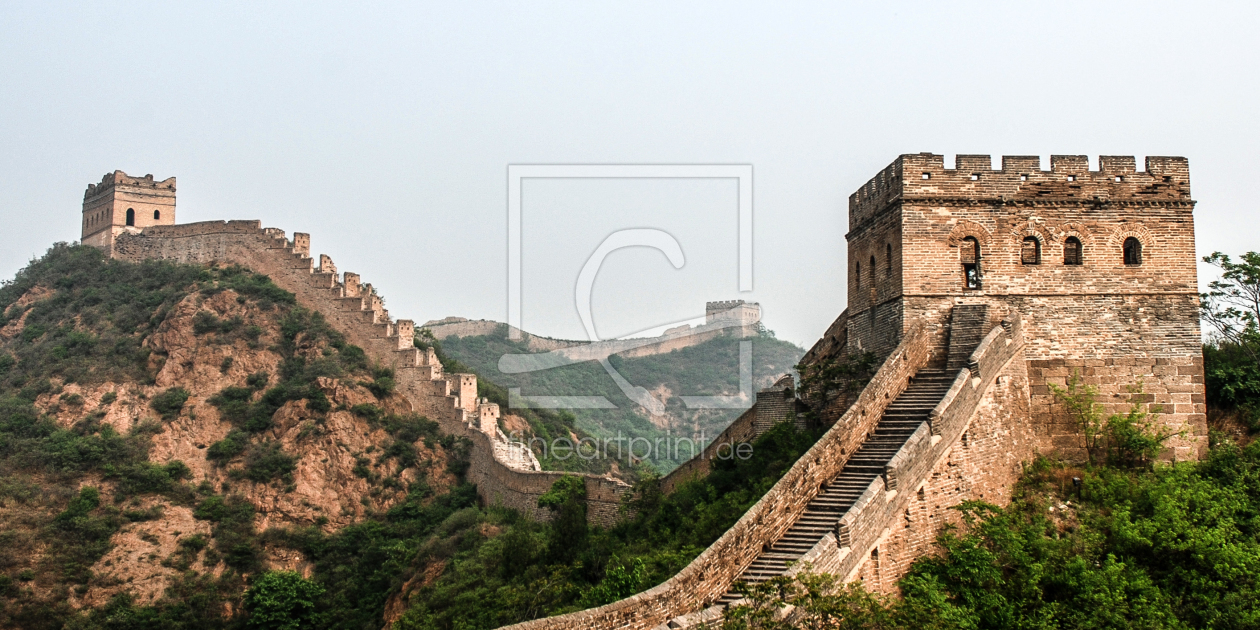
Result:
[{"x": 122, "y": 203}]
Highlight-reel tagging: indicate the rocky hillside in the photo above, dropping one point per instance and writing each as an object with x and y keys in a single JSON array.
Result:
[{"x": 157, "y": 419}]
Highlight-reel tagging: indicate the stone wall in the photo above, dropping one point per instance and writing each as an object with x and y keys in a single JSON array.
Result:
[
  {"x": 981, "y": 422},
  {"x": 983, "y": 465},
  {"x": 684, "y": 336},
  {"x": 356, "y": 310},
  {"x": 707, "y": 577},
  {"x": 742, "y": 430},
  {"x": 1103, "y": 316}
]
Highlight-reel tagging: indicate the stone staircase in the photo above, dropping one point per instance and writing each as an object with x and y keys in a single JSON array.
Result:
[
  {"x": 967, "y": 326},
  {"x": 902, "y": 417}
]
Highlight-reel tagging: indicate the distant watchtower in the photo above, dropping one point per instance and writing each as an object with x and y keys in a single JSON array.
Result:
[
  {"x": 122, "y": 203},
  {"x": 746, "y": 313}
]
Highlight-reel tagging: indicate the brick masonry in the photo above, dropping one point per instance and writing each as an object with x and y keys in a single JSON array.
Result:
[
  {"x": 1116, "y": 324},
  {"x": 705, "y": 579}
]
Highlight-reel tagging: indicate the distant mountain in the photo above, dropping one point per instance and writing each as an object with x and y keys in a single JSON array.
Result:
[{"x": 667, "y": 372}]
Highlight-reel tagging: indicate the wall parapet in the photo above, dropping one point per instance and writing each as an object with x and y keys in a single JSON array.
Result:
[
  {"x": 924, "y": 176},
  {"x": 711, "y": 574},
  {"x": 888, "y": 495},
  {"x": 119, "y": 178}
]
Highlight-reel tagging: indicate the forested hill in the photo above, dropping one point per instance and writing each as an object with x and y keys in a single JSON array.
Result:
[{"x": 707, "y": 369}]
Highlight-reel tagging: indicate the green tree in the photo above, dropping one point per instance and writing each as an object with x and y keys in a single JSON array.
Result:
[
  {"x": 1232, "y": 304},
  {"x": 567, "y": 501},
  {"x": 1081, "y": 403},
  {"x": 1231, "y": 309},
  {"x": 282, "y": 600}
]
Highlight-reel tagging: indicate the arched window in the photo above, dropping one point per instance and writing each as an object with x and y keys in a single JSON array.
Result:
[
  {"x": 1132, "y": 251},
  {"x": 131, "y": 216},
  {"x": 857, "y": 274},
  {"x": 1072, "y": 251},
  {"x": 888, "y": 260},
  {"x": 1030, "y": 251},
  {"x": 969, "y": 252},
  {"x": 874, "y": 268},
  {"x": 157, "y": 215}
]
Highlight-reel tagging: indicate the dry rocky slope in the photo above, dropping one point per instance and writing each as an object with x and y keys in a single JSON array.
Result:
[
  {"x": 502, "y": 471},
  {"x": 332, "y": 472}
]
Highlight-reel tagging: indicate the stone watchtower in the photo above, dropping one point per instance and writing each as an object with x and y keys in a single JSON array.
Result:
[
  {"x": 1100, "y": 264},
  {"x": 122, "y": 203},
  {"x": 746, "y": 313}
]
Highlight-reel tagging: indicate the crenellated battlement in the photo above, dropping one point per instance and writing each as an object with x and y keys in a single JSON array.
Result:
[
  {"x": 1020, "y": 180},
  {"x": 119, "y": 178}
]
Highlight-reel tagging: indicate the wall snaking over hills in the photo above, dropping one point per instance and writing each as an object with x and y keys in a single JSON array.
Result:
[{"x": 357, "y": 311}]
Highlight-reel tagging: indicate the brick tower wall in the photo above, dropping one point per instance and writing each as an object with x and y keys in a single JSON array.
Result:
[
  {"x": 1114, "y": 324},
  {"x": 105, "y": 207}
]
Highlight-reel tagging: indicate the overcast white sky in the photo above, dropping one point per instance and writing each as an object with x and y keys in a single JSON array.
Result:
[{"x": 385, "y": 131}]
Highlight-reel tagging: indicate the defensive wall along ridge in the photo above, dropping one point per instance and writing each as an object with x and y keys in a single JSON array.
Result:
[
  {"x": 978, "y": 288},
  {"x": 730, "y": 317},
  {"x": 506, "y": 473},
  {"x": 878, "y": 522}
]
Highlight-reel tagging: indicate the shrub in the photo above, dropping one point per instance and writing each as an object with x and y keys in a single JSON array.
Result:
[
  {"x": 196, "y": 542},
  {"x": 368, "y": 412},
  {"x": 108, "y": 398},
  {"x": 206, "y": 323},
  {"x": 233, "y": 444},
  {"x": 257, "y": 380},
  {"x": 146, "y": 477},
  {"x": 265, "y": 462},
  {"x": 1130, "y": 439},
  {"x": 381, "y": 387},
  {"x": 282, "y": 600},
  {"x": 170, "y": 402},
  {"x": 213, "y": 508}
]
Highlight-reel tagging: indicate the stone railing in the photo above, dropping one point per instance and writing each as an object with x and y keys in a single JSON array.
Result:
[
  {"x": 888, "y": 496},
  {"x": 357, "y": 311},
  {"x": 710, "y": 575}
]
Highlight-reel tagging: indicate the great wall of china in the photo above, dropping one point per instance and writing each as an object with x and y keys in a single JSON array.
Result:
[{"x": 976, "y": 287}]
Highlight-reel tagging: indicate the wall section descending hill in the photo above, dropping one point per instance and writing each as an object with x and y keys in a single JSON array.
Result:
[
  {"x": 708, "y": 577},
  {"x": 357, "y": 311}
]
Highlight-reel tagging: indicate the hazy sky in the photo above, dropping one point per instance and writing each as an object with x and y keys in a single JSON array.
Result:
[{"x": 385, "y": 131}]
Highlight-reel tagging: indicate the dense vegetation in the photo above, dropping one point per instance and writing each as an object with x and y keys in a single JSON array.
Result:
[
  {"x": 1231, "y": 309},
  {"x": 1170, "y": 547},
  {"x": 1137, "y": 546},
  {"x": 497, "y": 568},
  {"x": 707, "y": 369}
]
